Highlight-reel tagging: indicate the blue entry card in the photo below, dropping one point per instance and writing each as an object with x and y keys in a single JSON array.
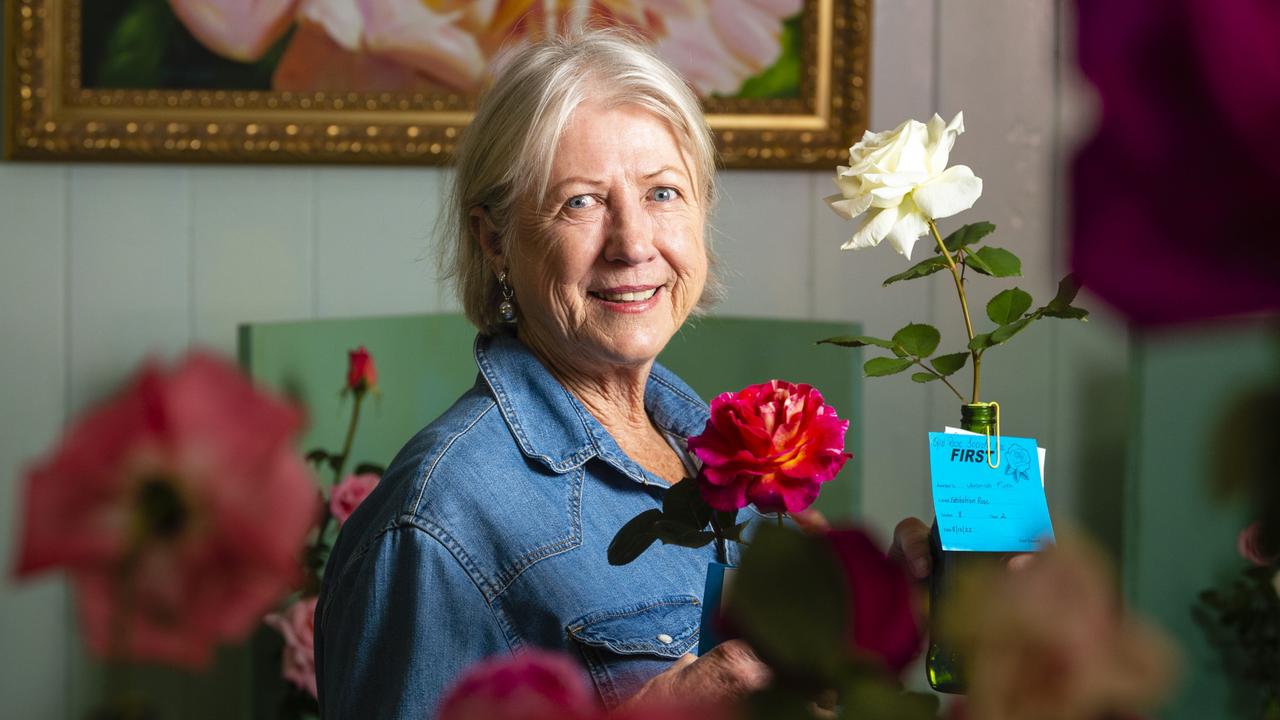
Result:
[{"x": 983, "y": 509}]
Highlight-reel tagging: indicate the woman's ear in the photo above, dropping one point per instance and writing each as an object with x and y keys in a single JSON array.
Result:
[{"x": 485, "y": 233}]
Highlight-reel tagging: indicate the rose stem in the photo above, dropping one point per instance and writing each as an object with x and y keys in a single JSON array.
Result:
[
  {"x": 313, "y": 578},
  {"x": 964, "y": 305},
  {"x": 351, "y": 436}
]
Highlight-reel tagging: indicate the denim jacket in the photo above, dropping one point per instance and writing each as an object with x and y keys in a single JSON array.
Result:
[{"x": 488, "y": 534}]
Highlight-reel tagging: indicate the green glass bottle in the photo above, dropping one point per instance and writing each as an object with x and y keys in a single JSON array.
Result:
[{"x": 943, "y": 664}]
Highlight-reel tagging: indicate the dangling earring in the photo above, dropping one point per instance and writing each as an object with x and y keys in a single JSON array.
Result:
[{"x": 506, "y": 308}]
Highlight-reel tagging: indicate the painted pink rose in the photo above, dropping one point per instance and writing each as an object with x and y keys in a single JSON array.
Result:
[
  {"x": 531, "y": 685},
  {"x": 349, "y": 493},
  {"x": 881, "y": 601},
  {"x": 183, "y": 493},
  {"x": 770, "y": 445},
  {"x": 237, "y": 29},
  {"x": 297, "y": 625}
]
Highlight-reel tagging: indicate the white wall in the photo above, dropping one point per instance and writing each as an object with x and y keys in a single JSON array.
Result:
[{"x": 101, "y": 265}]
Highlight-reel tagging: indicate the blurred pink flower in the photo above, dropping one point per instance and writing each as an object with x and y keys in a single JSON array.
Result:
[
  {"x": 1050, "y": 641},
  {"x": 237, "y": 29},
  {"x": 882, "y": 603},
  {"x": 179, "y": 508},
  {"x": 770, "y": 445},
  {"x": 349, "y": 493},
  {"x": 531, "y": 685},
  {"x": 297, "y": 625},
  {"x": 1249, "y": 545}
]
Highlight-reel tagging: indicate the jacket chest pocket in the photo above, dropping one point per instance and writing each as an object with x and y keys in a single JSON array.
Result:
[{"x": 624, "y": 647}]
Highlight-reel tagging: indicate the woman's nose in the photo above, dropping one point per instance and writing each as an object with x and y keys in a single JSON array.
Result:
[{"x": 630, "y": 235}]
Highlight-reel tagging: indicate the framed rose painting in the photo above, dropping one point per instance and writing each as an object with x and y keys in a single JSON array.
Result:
[{"x": 784, "y": 82}]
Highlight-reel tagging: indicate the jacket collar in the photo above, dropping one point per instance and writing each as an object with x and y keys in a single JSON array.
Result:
[{"x": 554, "y": 428}]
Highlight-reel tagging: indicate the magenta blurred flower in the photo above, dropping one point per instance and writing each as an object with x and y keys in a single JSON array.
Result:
[
  {"x": 350, "y": 493},
  {"x": 179, "y": 509},
  {"x": 297, "y": 625},
  {"x": 770, "y": 445},
  {"x": 881, "y": 600},
  {"x": 1190, "y": 93},
  {"x": 531, "y": 685}
]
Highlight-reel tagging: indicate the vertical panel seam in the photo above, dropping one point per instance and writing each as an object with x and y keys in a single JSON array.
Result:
[
  {"x": 70, "y": 638},
  {"x": 812, "y": 232},
  {"x": 190, "y": 197},
  {"x": 315, "y": 243},
  {"x": 1057, "y": 231},
  {"x": 931, "y": 291}
]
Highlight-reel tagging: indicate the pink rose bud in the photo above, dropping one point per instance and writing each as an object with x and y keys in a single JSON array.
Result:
[
  {"x": 770, "y": 445},
  {"x": 362, "y": 374},
  {"x": 350, "y": 493}
]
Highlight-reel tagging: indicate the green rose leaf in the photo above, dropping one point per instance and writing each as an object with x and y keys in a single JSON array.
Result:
[
  {"x": 317, "y": 456},
  {"x": 950, "y": 364},
  {"x": 1067, "y": 289},
  {"x": 1008, "y": 306},
  {"x": 994, "y": 261},
  {"x": 680, "y": 534},
  {"x": 683, "y": 506},
  {"x": 853, "y": 341},
  {"x": 635, "y": 537},
  {"x": 788, "y": 597},
  {"x": 924, "y": 377},
  {"x": 919, "y": 270},
  {"x": 1004, "y": 332},
  {"x": 967, "y": 235},
  {"x": 1070, "y": 312},
  {"x": 918, "y": 339},
  {"x": 881, "y": 366},
  {"x": 980, "y": 342}
]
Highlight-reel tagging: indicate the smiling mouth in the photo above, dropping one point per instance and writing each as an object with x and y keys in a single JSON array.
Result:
[{"x": 625, "y": 297}]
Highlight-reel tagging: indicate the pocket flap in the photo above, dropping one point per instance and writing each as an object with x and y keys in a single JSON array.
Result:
[{"x": 666, "y": 627}]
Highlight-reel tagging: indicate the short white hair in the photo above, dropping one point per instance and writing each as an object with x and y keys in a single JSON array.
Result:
[{"x": 506, "y": 152}]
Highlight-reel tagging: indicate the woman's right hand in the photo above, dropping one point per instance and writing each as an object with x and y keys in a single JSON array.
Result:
[
  {"x": 728, "y": 672},
  {"x": 911, "y": 548}
]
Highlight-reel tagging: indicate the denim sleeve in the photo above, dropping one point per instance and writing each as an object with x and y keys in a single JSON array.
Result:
[{"x": 396, "y": 629}]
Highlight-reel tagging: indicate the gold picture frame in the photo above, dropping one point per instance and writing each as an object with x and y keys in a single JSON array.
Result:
[{"x": 51, "y": 116}]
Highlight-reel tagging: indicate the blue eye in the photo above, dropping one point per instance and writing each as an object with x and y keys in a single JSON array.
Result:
[
  {"x": 579, "y": 202},
  {"x": 664, "y": 194}
]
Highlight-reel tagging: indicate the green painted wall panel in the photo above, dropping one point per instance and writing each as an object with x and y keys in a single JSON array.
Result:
[{"x": 1179, "y": 538}]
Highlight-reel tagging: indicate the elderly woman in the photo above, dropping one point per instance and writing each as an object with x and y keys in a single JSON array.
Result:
[{"x": 579, "y": 247}]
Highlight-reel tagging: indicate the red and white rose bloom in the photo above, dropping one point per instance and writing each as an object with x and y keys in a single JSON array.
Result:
[{"x": 770, "y": 445}]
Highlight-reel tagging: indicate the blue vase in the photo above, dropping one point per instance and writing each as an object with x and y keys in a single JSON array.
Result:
[{"x": 719, "y": 576}]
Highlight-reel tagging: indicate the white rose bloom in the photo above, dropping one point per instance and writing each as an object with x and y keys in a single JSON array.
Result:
[{"x": 902, "y": 178}]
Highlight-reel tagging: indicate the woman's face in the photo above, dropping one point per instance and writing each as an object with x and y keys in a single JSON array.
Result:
[{"x": 610, "y": 266}]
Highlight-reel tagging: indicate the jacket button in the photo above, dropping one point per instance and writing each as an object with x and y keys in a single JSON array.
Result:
[{"x": 665, "y": 639}]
